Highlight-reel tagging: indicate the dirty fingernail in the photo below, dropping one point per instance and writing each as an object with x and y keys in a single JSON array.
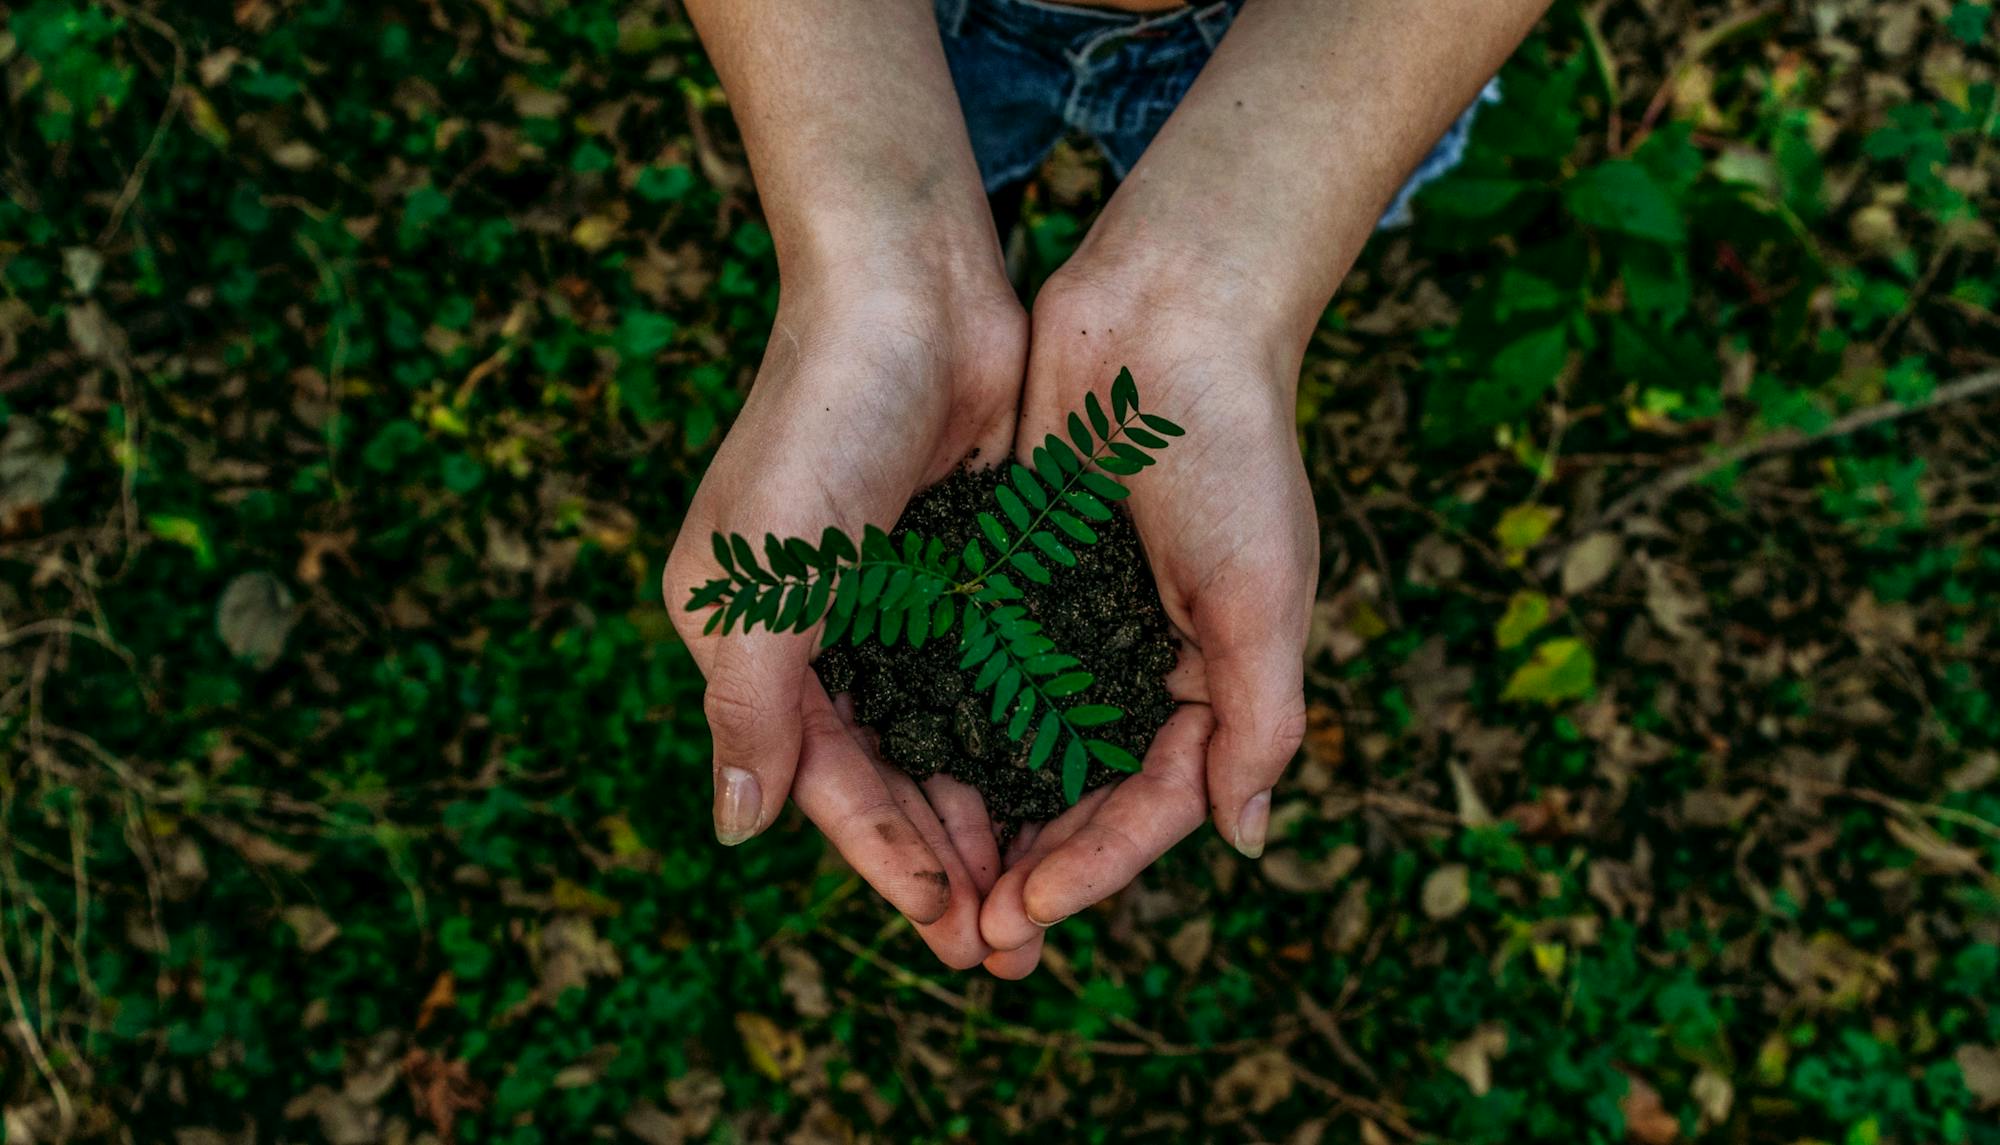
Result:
[
  {"x": 1253, "y": 823},
  {"x": 738, "y": 803}
]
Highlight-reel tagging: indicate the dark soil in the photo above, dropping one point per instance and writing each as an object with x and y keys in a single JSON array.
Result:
[{"x": 1105, "y": 611}]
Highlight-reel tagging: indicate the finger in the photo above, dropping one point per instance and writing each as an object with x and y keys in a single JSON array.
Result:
[
  {"x": 1144, "y": 817},
  {"x": 1003, "y": 921},
  {"x": 756, "y": 682},
  {"x": 1257, "y": 688},
  {"x": 1188, "y": 681},
  {"x": 954, "y": 937},
  {"x": 963, "y": 813},
  {"x": 1016, "y": 964},
  {"x": 841, "y": 791}
]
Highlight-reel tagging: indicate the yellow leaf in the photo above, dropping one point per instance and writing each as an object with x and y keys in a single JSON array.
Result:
[
  {"x": 573, "y": 896},
  {"x": 1522, "y": 528},
  {"x": 774, "y": 1051},
  {"x": 1526, "y": 612},
  {"x": 1551, "y": 958},
  {"x": 1561, "y": 669},
  {"x": 203, "y": 118},
  {"x": 594, "y": 232}
]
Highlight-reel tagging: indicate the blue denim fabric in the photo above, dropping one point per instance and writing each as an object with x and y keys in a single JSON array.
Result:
[{"x": 1030, "y": 72}]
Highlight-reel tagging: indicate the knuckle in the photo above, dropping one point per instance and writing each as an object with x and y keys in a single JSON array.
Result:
[{"x": 735, "y": 709}]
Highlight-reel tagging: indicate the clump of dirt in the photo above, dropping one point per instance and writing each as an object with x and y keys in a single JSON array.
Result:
[{"x": 1105, "y": 611}]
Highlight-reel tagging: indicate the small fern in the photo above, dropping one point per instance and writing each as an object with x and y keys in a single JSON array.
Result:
[{"x": 917, "y": 592}]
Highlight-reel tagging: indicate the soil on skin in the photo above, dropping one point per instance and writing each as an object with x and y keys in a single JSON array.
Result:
[{"x": 1105, "y": 611}]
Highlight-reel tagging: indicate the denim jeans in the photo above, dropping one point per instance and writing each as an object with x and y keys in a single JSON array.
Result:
[{"x": 1029, "y": 72}]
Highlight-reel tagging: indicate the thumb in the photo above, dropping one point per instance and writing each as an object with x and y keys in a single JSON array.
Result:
[
  {"x": 1257, "y": 692},
  {"x": 755, "y": 683}
]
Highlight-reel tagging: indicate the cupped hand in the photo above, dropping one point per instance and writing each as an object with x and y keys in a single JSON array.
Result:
[
  {"x": 878, "y": 380},
  {"x": 1227, "y": 521}
]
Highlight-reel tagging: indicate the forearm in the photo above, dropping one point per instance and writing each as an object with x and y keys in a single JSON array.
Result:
[
  {"x": 1271, "y": 174},
  {"x": 852, "y": 126}
]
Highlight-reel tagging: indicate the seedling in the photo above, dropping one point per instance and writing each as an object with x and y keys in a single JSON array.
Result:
[{"x": 917, "y": 592}]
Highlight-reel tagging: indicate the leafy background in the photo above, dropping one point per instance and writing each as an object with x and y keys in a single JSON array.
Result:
[{"x": 357, "y": 360}]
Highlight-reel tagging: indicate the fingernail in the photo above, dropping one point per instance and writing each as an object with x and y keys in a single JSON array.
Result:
[
  {"x": 738, "y": 804},
  {"x": 1040, "y": 923},
  {"x": 1253, "y": 823}
]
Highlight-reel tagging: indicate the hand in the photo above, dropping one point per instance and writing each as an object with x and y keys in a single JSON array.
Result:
[
  {"x": 879, "y": 380},
  {"x": 1227, "y": 521}
]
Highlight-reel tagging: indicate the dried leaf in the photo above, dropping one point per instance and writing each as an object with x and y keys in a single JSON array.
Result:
[
  {"x": 1589, "y": 561},
  {"x": 1447, "y": 891},
  {"x": 774, "y": 1051},
  {"x": 1646, "y": 1118},
  {"x": 1980, "y": 1066},
  {"x": 255, "y": 616},
  {"x": 1472, "y": 1059}
]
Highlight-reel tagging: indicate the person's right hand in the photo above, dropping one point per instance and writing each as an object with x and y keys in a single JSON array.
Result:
[{"x": 881, "y": 376}]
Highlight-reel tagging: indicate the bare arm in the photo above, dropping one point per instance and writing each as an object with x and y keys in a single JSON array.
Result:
[
  {"x": 1206, "y": 275},
  {"x": 895, "y": 324},
  {"x": 853, "y": 128}
]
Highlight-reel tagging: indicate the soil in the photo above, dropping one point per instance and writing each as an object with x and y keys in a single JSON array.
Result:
[{"x": 1105, "y": 611}]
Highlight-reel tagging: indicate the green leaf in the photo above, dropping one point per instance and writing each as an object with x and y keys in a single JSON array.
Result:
[
  {"x": 795, "y": 603},
  {"x": 1093, "y": 715},
  {"x": 1526, "y": 612},
  {"x": 1087, "y": 504},
  {"x": 892, "y": 627},
  {"x": 1002, "y": 588},
  {"x": 1098, "y": 421},
  {"x": 1561, "y": 669},
  {"x": 1124, "y": 395},
  {"x": 989, "y": 673},
  {"x": 1029, "y": 488},
  {"x": 1068, "y": 685},
  {"x": 918, "y": 621},
  {"x": 1118, "y": 465},
  {"x": 871, "y": 583},
  {"x": 1134, "y": 433},
  {"x": 714, "y": 622},
  {"x": 837, "y": 547},
  {"x": 1078, "y": 435},
  {"x": 975, "y": 557},
  {"x": 1030, "y": 567},
  {"x": 864, "y": 625},
  {"x": 1047, "y": 469},
  {"x": 722, "y": 556},
  {"x": 1470, "y": 198},
  {"x": 1003, "y": 692},
  {"x": 993, "y": 531},
  {"x": 1045, "y": 739},
  {"x": 1011, "y": 505},
  {"x": 1075, "y": 766},
  {"x": 976, "y": 651},
  {"x": 1161, "y": 425},
  {"x": 1023, "y": 712},
  {"x": 942, "y": 616},
  {"x": 1104, "y": 486},
  {"x": 1111, "y": 755},
  {"x": 1623, "y": 195},
  {"x": 802, "y": 551},
  {"x": 1066, "y": 458},
  {"x": 1054, "y": 549},
  {"x": 822, "y": 589},
  {"x": 746, "y": 561},
  {"x": 1132, "y": 453},
  {"x": 1045, "y": 661},
  {"x": 708, "y": 594},
  {"x": 1077, "y": 531},
  {"x": 782, "y": 561}
]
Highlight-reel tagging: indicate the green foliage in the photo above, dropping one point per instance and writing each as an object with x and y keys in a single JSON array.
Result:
[{"x": 918, "y": 592}]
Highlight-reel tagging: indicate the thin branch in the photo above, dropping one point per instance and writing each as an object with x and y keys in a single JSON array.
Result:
[{"x": 1784, "y": 440}]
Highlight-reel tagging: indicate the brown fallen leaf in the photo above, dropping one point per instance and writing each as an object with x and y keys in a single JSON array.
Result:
[
  {"x": 1646, "y": 1118},
  {"x": 441, "y": 1090},
  {"x": 774, "y": 1051}
]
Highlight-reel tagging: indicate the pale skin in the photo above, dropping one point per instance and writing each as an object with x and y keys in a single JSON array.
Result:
[{"x": 1205, "y": 275}]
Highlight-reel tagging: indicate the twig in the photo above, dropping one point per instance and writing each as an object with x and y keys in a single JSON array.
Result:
[
  {"x": 129, "y": 193},
  {"x": 1964, "y": 389}
]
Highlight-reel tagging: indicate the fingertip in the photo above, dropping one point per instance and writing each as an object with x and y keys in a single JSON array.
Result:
[
  {"x": 1014, "y": 965},
  {"x": 1003, "y": 920}
]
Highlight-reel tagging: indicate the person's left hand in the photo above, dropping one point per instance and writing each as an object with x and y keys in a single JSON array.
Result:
[{"x": 1227, "y": 521}]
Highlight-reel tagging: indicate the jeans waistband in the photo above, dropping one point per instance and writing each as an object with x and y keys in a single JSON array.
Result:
[{"x": 1079, "y": 29}]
